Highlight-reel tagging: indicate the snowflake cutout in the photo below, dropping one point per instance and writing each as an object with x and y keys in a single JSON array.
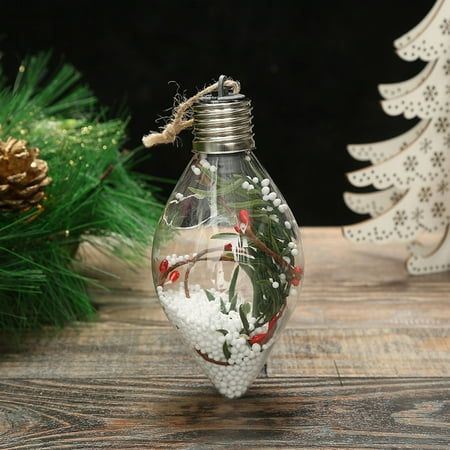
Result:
[
  {"x": 425, "y": 194},
  {"x": 396, "y": 197},
  {"x": 447, "y": 67},
  {"x": 410, "y": 163},
  {"x": 441, "y": 124},
  {"x": 437, "y": 159},
  {"x": 430, "y": 93},
  {"x": 417, "y": 215},
  {"x": 400, "y": 218},
  {"x": 425, "y": 145},
  {"x": 445, "y": 26},
  {"x": 443, "y": 187},
  {"x": 438, "y": 209}
]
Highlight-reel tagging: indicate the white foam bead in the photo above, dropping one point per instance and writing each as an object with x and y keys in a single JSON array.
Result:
[
  {"x": 255, "y": 180},
  {"x": 275, "y": 284},
  {"x": 265, "y": 198},
  {"x": 265, "y": 190},
  {"x": 212, "y": 168},
  {"x": 256, "y": 347},
  {"x": 251, "y": 187},
  {"x": 277, "y": 202},
  {"x": 291, "y": 245},
  {"x": 272, "y": 196},
  {"x": 179, "y": 195},
  {"x": 265, "y": 182},
  {"x": 288, "y": 225},
  {"x": 294, "y": 252},
  {"x": 245, "y": 185},
  {"x": 282, "y": 208}
]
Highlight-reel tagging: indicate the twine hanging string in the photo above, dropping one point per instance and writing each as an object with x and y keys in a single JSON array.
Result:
[{"x": 180, "y": 116}]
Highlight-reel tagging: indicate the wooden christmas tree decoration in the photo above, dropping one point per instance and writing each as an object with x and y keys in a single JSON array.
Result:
[{"x": 411, "y": 172}]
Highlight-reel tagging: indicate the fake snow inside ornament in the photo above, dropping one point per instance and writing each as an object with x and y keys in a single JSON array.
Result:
[
  {"x": 227, "y": 264},
  {"x": 412, "y": 171}
]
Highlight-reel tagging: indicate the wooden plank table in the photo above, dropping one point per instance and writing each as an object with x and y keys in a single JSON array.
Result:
[{"x": 364, "y": 363}]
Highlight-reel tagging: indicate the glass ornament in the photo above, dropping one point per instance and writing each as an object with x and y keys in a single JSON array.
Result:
[{"x": 227, "y": 256}]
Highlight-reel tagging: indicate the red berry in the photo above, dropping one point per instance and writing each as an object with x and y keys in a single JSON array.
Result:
[
  {"x": 298, "y": 269},
  {"x": 258, "y": 338},
  {"x": 295, "y": 281},
  {"x": 244, "y": 217},
  {"x": 273, "y": 321},
  {"x": 228, "y": 247},
  {"x": 237, "y": 228},
  {"x": 164, "y": 266},
  {"x": 174, "y": 276}
]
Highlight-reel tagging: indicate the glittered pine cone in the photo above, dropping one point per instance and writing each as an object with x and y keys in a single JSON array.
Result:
[{"x": 23, "y": 177}]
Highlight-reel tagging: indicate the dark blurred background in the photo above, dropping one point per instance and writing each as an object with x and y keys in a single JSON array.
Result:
[{"x": 310, "y": 67}]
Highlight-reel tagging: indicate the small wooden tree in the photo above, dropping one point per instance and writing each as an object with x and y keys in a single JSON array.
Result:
[{"x": 411, "y": 172}]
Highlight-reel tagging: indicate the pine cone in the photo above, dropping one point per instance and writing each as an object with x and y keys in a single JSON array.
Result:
[{"x": 23, "y": 177}]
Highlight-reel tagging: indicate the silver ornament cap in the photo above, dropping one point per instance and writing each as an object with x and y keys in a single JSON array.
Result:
[{"x": 223, "y": 122}]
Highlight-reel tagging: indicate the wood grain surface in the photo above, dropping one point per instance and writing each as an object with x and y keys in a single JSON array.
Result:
[{"x": 364, "y": 363}]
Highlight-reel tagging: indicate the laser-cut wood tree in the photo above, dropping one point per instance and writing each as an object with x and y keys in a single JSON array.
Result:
[{"x": 411, "y": 172}]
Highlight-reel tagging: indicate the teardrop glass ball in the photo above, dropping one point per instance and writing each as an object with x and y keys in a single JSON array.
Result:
[{"x": 228, "y": 265}]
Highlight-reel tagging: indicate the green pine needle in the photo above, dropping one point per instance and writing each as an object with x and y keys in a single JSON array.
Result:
[{"x": 94, "y": 193}]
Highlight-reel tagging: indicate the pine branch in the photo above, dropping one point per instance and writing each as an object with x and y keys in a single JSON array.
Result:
[{"x": 93, "y": 193}]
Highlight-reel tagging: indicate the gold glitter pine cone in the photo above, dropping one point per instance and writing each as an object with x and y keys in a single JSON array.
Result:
[{"x": 23, "y": 177}]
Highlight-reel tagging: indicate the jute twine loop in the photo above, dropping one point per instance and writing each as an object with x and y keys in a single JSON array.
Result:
[{"x": 179, "y": 120}]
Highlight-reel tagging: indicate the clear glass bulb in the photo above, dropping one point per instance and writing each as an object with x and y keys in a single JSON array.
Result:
[{"x": 228, "y": 265}]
